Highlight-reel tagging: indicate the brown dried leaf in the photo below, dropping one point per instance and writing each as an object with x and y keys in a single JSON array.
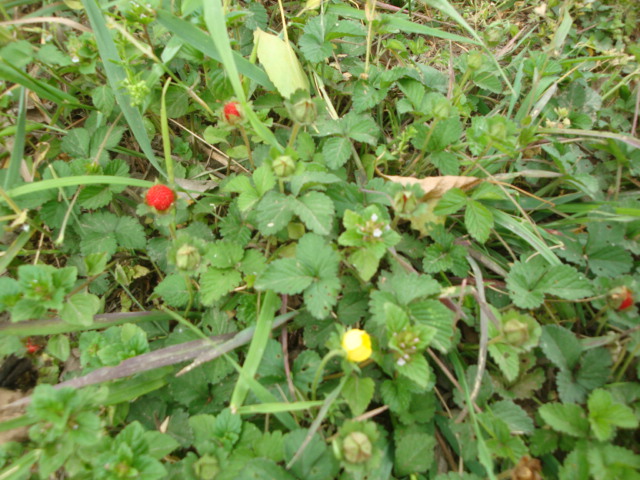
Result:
[
  {"x": 16, "y": 434},
  {"x": 436, "y": 187}
]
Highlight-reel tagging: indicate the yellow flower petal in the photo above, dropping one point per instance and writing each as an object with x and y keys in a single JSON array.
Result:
[{"x": 357, "y": 344}]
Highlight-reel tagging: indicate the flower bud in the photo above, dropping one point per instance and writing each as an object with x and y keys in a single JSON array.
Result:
[
  {"x": 357, "y": 344},
  {"x": 357, "y": 448},
  {"x": 284, "y": 166}
]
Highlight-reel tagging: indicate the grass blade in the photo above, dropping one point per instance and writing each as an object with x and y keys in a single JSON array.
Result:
[
  {"x": 116, "y": 75},
  {"x": 56, "y": 183},
  {"x": 202, "y": 42},
  {"x": 524, "y": 230},
  {"x": 256, "y": 349}
]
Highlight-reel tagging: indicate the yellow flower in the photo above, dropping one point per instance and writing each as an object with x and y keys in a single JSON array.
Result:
[{"x": 357, "y": 344}]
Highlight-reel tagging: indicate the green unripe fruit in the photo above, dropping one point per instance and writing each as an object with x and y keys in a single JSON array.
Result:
[
  {"x": 187, "y": 258},
  {"x": 405, "y": 202},
  {"x": 357, "y": 448},
  {"x": 474, "y": 60},
  {"x": 515, "y": 332},
  {"x": 284, "y": 166}
]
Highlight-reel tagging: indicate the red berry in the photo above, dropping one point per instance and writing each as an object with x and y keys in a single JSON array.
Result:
[
  {"x": 160, "y": 197},
  {"x": 31, "y": 347},
  {"x": 627, "y": 300},
  {"x": 231, "y": 113}
]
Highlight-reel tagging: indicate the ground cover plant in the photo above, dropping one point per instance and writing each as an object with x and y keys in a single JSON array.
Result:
[{"x": 322, "y": 240}]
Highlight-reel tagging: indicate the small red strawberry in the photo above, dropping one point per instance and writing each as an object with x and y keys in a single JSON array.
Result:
[
  {"x": 627, "y": 301},
  {"x": 31, "y": 347},
  {"x": 621, "y": 298},
  {"x": 160, "y": 197},
  {"x": 231, "y": 113}
]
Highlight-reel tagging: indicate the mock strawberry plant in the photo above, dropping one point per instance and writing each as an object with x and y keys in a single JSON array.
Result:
[{"x": 319, "y": 240}]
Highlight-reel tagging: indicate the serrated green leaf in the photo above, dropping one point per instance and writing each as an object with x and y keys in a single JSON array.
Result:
[
  {"x": 433, "y": 314},
  {"x": 103, "y": 99},
  {"x": 514, "y": 416},
  {"x": 76, "y": 143},
  {"x": 336, "y": 151},
  {"x": 452, "y": 201},
  {"x": 94, "y": 196},
  {"x": 414, "y": 453},
  {"x": 560, "y": 346},
  {"x": 479, "y": 220},
  {"x": 264, "y": 179},
  {"x": 173, "y": 290},
  {"x": 224, "y": 254},
  {"x": 129, "y": 233},
  {"x": 396, "y": 394},
  {"x": 287, "y": 275},
  {"x": 566, "y": 282},
  {"x": 216, "y": 283},
  {"x": 312, "y": 43},
  {"x": 80, "y": 308},
  {"x": 274, "y": 212},
  {"x": 366, "y": 262},
  {"x": 360, "y": 127},
  {"x": 507, "y": 359},
  {"x": 417, "y": 370},
  {"x": 316, "y": 210},
  {"x": 605, "y": 415},
  {"x": 321, "y": 296},
  {"x": 358, "y": 392},
  {"x": 319, "y": 258},
  {"x": 566, "y": 418}
]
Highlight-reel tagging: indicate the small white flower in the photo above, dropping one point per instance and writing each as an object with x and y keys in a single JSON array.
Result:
[
  {"x": 377, "y": 233},
  {"x": 75, "y": 59},
  {"x": 26, "y": 227},
  {"x": 270, "y": 224},
  {"x": 374, "y": 217},
  {"x": 401, "y": 361}
]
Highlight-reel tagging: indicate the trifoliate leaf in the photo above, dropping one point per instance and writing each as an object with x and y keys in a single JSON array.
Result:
[{"x": 605, "y": 415}]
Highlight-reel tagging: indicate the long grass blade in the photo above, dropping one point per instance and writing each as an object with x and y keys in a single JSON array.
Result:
[
  {"x": 56, "y": 183},
  {"x": 202, "y": 42},
  {"x": 257, "y": 347}
]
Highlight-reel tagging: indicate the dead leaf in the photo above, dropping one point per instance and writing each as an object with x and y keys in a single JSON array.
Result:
[
  {"x": 193, "y": 186},
  {"x": 436, "y": 187},
  {"x": 16, "y": 434}
]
